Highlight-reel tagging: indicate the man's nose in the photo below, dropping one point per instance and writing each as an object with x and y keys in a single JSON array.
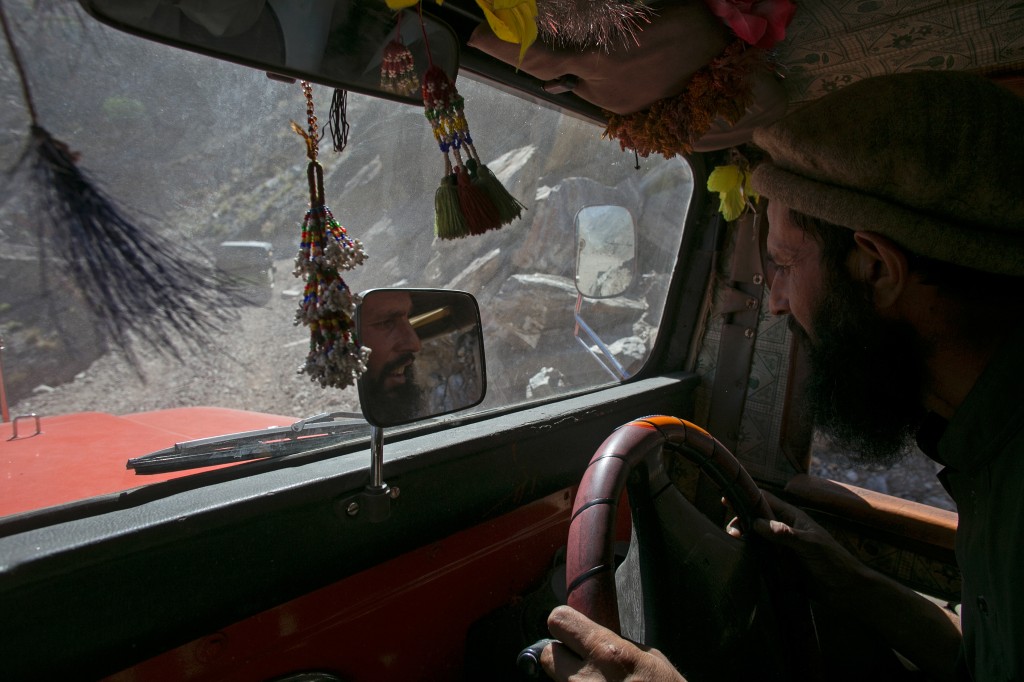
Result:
[
  {"x": 410, "y": 341},
  {"x": 778, "y": 301}
]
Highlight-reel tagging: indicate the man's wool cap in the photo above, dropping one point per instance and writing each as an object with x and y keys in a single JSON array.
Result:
[{"x": 932, "y": 160}]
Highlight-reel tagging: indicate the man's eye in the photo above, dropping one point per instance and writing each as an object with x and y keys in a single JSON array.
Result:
[{"x": 771, "y": 269}]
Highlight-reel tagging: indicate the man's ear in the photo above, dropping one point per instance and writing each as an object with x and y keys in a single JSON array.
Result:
[{"x": 880, "y": 262}]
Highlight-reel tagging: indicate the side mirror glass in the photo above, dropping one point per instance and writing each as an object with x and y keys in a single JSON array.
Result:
[
  {"x": 426, "y": 357},
  {"x": 339, "y": 43},
  {"x": 605, "y": 251}
]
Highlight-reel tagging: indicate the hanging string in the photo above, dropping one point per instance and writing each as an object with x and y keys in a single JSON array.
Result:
[
  {"x": 338, "y": 120},
  {"x": 312, "y": 136},
  {"x": 426, "y": 41}
]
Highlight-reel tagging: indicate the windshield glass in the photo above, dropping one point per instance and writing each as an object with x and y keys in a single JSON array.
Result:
[{"x": 202, "y": 154}]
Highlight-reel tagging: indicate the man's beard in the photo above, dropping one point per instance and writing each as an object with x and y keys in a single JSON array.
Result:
[
  {"x": 866, "y": 388},
  {"x": 401, "y": 403}
]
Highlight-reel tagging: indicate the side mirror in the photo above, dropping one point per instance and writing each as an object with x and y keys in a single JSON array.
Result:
[
  {"x": 426, "y": 357},
  {"x": 605, "y": 251},
  {"x": 339, "y": 43}
]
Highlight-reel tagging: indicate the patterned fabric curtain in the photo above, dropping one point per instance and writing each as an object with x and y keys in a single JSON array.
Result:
[{"x": 834, "y": 44}]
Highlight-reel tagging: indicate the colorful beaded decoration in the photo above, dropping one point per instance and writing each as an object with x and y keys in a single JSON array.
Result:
[
  {"x": 336, "y": 357},
  {"x": 470, "y": 199},
  {"x": 398, "y": 70}
]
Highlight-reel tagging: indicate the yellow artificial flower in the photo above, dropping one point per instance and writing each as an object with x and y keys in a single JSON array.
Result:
[
  {"x": 734, "y": 190},
  {"x": 514, "y": 21}
]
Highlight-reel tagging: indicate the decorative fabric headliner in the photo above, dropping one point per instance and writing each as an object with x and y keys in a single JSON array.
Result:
[
  {"x": 829, "y": 45},
  {"x": 833, "y": 44}
]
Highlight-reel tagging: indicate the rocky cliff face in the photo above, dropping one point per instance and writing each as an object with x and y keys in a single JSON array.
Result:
[
  {"x": 208, "y": 156},
  {"x": 202, "y": 151}
]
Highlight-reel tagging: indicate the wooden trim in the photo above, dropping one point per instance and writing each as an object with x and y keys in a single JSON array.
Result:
[{"x": 913, "y": 520}]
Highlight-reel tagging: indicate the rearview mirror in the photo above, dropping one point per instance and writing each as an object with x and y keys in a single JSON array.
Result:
[
  {"x": 605, "y": 251},
  {"x": 339, "y": 43},
  {"x": 427, "y": 354}
]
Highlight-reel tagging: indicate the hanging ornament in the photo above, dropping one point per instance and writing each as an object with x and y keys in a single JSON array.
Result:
[
  {"x": 139, "y": 285},
  {"x": 338, "y": 120},
  {"x": 470, "y": 199},
  {"x": 335, "y": 357},
  {"x": 398, "y": 69},
  {"x": 722, "y": 89}
]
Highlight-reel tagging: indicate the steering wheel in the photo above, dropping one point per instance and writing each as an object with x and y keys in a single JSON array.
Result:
[{"x": 718, "y": 607}]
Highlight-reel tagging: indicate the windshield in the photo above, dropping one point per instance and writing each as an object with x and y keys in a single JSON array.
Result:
[{"x": 202, "y": 153}]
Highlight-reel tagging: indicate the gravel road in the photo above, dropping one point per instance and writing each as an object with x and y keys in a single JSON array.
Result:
[{"x": 259, "y": 349}]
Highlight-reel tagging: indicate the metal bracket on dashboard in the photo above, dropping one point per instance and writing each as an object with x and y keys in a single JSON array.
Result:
[
  {"x": 604, "y": 355},
  {"x": 374, "y": 503}
]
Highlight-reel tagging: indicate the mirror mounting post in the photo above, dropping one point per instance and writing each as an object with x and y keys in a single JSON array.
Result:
[
  {"x": 374, "y": 503},
  {"x": 606, "y": 262},
  {"x": 605, "y": 357},
  {"x": 377, "y": 457}
]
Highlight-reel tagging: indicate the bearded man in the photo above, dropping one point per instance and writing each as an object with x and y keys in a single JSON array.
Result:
[
  {"x": 388, "y": 390},
  {"x": 896, "y": 246}
]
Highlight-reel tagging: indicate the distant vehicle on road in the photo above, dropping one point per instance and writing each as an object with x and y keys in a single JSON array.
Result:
[{"x": 249, "y": 265}]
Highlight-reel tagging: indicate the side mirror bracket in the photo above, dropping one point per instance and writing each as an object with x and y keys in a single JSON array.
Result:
[
  {"x": 605, "y": 268},
  {"x": 603, "y": 354},
  {"x": 374, "y": 503}
]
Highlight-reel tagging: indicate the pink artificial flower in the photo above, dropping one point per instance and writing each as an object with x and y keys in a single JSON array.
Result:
[{"x": 762, "y": 23}]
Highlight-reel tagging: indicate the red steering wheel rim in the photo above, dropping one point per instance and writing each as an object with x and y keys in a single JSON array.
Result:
[{"x": 590, "y": 561}]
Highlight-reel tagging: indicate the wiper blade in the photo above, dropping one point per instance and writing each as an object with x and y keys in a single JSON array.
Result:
[{"x": 318, "y": 431}]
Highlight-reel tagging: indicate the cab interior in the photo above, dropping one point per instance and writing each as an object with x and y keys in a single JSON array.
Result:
[{"x": 261, "y": 571}]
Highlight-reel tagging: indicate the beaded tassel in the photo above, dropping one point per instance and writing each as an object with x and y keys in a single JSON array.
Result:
[
  {"x": 398, "y": 70},
  {"x": 470, "y": 199},
  {"x": 336, "y": 357}
]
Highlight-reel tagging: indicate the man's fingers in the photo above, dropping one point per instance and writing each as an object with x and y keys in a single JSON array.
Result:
[
  {"x": 589, "y": 652},
  {"x": 603, "y": 653},
  {"x": 559, "y": 661},
  {"x": 775, "y": 531},
  {"x": 574, "y": 629},
  {"x": 569, "y": 656}
]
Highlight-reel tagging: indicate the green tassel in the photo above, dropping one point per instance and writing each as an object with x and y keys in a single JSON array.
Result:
[
  {"x": 448, "y": 220},
  {"x": 509, "y": 208}
]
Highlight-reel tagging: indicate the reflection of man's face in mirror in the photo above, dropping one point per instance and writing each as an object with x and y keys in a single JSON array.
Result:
[{"x": 386, "y": 331}]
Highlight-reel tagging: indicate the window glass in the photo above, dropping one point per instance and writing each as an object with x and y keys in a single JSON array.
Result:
[
  {"x": 202, "y": 153},
  {"x": 912, "y": 478}
]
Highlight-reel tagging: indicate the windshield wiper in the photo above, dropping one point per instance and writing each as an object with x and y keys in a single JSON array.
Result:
[{"x": 318, "y": 431}]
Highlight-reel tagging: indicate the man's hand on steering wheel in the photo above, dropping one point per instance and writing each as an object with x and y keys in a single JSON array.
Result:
[
  {"x": 588, "y": 652},
  {"x": 832, "y": 572},
  {"x": 922, "y": 631}
]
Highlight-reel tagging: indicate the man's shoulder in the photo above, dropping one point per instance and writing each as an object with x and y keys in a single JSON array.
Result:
[{"x": 991, "y": 418}]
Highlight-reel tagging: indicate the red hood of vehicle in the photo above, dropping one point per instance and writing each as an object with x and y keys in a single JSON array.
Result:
[{"x": 83, "y": 455}]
